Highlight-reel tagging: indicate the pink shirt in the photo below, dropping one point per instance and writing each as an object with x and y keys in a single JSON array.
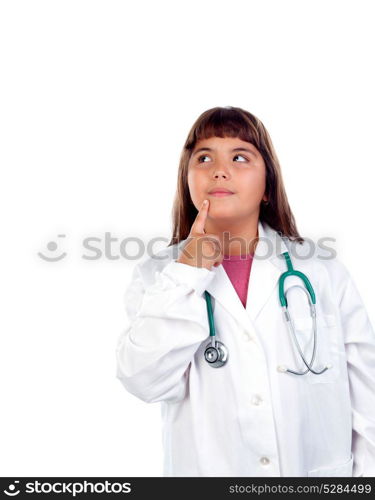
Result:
[{"x": 238, "y": 269}]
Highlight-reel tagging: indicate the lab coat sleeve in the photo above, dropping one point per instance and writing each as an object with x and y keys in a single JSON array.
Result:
[
  {"x": 167, "y": 321},
  {"x": 359, "y": 337}
]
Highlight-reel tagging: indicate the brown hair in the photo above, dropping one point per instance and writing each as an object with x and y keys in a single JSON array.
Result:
[{"x": 234, "y": 122}]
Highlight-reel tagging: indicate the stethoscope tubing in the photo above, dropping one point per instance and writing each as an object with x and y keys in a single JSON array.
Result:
[{"x": 216, "y": 353}]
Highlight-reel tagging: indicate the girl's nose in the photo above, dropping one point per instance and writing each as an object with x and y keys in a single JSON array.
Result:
[
  {"x": 221, "y": 171},
  {"x": 221, "y": 174}
]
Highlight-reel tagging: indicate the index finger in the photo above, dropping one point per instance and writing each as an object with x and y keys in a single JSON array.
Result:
[{"x": 200, "y": 219}]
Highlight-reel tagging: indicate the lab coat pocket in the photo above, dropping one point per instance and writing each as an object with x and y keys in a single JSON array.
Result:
[
  {"x": 343, "y": 470},
  {"x": 327, "y": 347}
]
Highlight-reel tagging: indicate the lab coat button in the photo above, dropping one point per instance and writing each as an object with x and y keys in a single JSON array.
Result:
[
  {"x": 247, "y": 336},
  {"x": 256, "y": 400},
  {"x": 264, "y": 461}
]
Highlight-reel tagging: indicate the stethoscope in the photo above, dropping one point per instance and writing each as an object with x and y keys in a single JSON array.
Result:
[{"x": 216, "y": 353}]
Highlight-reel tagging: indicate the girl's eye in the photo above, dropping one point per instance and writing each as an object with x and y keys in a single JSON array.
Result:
[
  {"x": 242, "y": 157},
  {"x": 203, "y": 156}
]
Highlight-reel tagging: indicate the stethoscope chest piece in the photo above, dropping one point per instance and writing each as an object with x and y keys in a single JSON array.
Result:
[{"x": 216, "y": 355}]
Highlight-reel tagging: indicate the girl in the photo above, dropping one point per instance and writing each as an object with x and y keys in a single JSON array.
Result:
[{"x": 277, "y": 391}]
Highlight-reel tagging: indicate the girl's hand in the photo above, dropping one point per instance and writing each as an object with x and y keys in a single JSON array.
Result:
[{"x": 201, "y": 249}]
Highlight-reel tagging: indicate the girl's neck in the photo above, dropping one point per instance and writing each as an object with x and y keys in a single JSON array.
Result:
[{"x": 236, "y": 240}]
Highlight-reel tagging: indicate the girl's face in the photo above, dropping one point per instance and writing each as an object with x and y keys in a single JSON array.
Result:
[{"x": 227, "y": 163}]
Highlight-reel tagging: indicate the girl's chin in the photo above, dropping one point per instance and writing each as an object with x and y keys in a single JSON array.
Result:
[{"x": 225, "y": 213}]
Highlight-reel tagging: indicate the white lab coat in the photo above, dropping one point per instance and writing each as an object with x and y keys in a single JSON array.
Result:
[{"x": 247, "y": 418}]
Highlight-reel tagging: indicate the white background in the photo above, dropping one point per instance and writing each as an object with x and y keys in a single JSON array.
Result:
[{"x": 97, "y": 98}]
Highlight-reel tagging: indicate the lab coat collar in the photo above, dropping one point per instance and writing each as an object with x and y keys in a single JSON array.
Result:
[{"x": 266, "y": 268}]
